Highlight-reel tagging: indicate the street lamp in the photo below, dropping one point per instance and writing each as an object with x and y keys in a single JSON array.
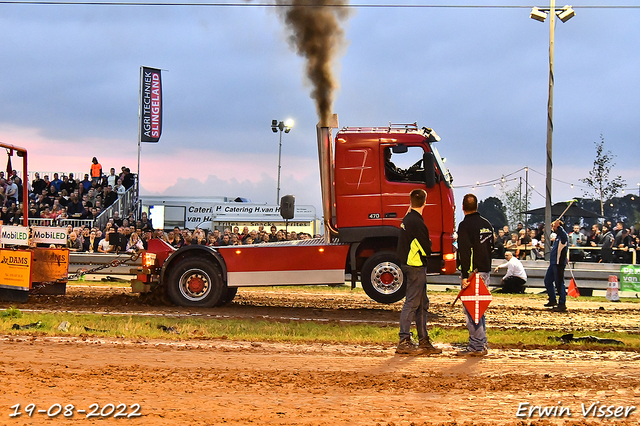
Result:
[
  {"x": 540, "y": 14},
  {"x": 275, "y": 126}
]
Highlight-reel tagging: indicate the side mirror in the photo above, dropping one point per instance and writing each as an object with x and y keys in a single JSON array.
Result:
[
  {"x": 399, "y": 149},
  {"x": 429, "y": 169},
  {"x": 287, "y": 207}
]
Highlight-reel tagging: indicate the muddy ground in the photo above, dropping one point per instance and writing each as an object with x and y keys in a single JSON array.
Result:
[{"x": 240, "y": 383}]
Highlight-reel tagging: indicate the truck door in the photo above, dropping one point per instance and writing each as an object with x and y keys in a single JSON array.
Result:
[
  {"x": 357, "y": 186},
  {"x": 403, "y": 171}
]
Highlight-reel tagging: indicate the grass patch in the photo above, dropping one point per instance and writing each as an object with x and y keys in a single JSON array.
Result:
[
  {"x": 11, "y": 312},
  {"x": 547, "y": 338},
  {"x": 132, "y": 326},
  {"x": 99, "y": 283},
  {"x": 136, "y": 327}
]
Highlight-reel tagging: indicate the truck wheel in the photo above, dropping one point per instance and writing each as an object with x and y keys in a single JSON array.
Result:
[
  {"x": 230, "y": 293},
  {"x": 382, "y": 278},
  {"x": 195, "y": 282}
]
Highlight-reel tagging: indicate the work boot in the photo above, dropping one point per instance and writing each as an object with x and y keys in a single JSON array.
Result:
[
  {"x": 427, "y": 347},
  {"x": 560, "y": 308},
  {"x": 550, "y": 304},
  {"x": 407, "y": 347},
  {"x": 468, "y": 352}
]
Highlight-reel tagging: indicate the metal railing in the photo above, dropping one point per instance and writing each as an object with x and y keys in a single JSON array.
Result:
[
  {"x": 60, "y": 222},
  {"x": 31, "y": 174},
  {"x": 125, "y": 204},
  {"x": 615, "y": 249}
]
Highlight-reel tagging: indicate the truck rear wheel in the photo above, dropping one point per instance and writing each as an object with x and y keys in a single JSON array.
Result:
[
  {"x": 195, "y": 282},
  {"x": 382, "y": 278}
]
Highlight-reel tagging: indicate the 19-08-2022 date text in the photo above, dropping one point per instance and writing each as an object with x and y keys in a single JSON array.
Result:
[{"x": 69, "y": 410}]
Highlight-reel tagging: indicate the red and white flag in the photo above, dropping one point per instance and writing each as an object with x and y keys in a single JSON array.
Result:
[
  {"x": 573, "y": 289},
  {"x": 476, "y": 297}
]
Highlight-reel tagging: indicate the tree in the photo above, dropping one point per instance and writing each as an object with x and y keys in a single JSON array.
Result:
[
  {"x": 493, "y": 210},
  {"x": 624, "y": 209},
  {"x": 514, "y": 202},
  {"x": 601, "y": 186}
]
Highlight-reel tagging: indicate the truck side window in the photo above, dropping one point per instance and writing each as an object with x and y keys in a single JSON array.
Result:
[{"x": 404, "y": 167}]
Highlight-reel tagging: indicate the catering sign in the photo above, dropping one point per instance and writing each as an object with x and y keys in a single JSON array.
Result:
[{"x": 198, "y": 213}]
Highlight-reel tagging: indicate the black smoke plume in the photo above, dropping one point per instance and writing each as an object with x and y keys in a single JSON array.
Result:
[{"x": 316, "y": 34}]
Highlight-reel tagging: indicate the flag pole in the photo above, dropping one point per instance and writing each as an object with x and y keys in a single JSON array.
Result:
[
  {"x": 565, "y": 210},
  {"x": 139, "y": 134}
]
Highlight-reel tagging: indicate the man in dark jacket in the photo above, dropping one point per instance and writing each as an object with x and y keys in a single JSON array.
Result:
[
  {"x": 555, "y": 272},
  {"x": 475, "y": 245},
  {"x": 607, "y": 244},
  {"x": 75, "y": 209},
  {"x": 110, "y": 196},
  {"x": 414, "y": 245}
]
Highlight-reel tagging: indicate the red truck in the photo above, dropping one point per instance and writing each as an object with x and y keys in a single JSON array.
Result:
[{"x": 365, "y": 195}]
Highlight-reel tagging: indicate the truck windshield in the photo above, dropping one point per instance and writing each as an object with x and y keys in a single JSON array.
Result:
[{"x": 445, "y": 172}]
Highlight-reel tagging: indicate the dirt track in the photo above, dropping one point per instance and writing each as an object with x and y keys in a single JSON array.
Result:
[
  {"x": 345, "y": 306},
  {"x": 240, "y": 383}
]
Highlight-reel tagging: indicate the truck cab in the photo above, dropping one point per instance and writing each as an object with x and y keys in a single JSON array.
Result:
[{"x": 374, "y": 171}]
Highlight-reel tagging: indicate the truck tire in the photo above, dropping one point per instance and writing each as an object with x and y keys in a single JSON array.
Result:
[
  {"x": 382, "y": 278},
  {"x": 227, "y": 298},
  {"x": 195, "y": 282}
]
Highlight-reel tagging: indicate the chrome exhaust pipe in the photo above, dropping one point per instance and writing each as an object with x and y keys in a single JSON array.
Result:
[{"x": 325, "y": 158}]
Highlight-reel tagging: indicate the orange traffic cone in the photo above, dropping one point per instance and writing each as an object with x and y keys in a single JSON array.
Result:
[{"x": 573, "y": 289}]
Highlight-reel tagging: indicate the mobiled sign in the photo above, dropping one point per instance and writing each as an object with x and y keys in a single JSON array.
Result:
[
  {"x": 49, "y": 235},
  {"x": 14, "y": 235}
]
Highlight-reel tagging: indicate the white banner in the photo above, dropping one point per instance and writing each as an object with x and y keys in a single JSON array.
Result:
[
  {"x": 49, "y": 235},
  {"x": 245, "y": 212},
  {"x": 14, "y": 235}
]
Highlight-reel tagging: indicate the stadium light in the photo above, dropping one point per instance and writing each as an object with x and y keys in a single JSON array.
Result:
[{"x": 281, "y": 126}]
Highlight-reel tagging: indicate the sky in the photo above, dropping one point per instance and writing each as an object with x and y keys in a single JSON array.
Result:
[{"x": 69, "y": 82}]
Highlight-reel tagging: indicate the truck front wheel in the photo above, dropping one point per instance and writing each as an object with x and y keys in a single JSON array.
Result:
[
  {"x": 195, "y": 282},
  {"x": 382, "y": 278},
  {"x": 228, "y": 296}
]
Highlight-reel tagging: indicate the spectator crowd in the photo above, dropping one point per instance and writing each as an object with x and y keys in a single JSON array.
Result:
[
  {"x": 130, "y": 235},
  {"x": 606, "y": 243},
  {"x": 64, "y": 196},
  {"x": 68, "y": 197}
]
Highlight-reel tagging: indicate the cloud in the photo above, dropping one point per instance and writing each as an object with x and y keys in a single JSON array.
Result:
[{"x": 252, "y": 176}]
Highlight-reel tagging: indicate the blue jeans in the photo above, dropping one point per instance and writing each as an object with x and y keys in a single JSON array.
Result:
[
  {"x": 416, "y": 302},
  {"x": 477, "y": 332},
  {"x": 555, "y": 274}
]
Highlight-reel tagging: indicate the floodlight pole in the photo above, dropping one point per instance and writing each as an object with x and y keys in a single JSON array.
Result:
[
  {"x": 564, "y": 14},
  {"x": 547, "y": 207},
  {"x": 281, "y": 127},
  {"x": 279, "y": 163},
  {"x": 526, "y": 196}
]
